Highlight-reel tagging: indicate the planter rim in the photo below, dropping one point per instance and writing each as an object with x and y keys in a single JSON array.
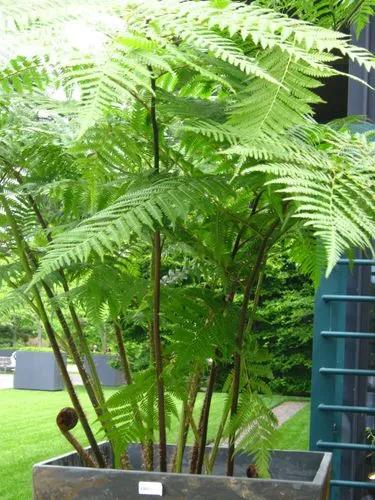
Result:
[
  {"x": 319, "y": 478},
  {"x": 324, "y": 467}
]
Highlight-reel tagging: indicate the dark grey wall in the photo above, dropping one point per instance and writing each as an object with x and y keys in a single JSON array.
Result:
[
  {"x": 107, "y": 375},
  {"x": 38, "y": 371},
  {"x": 360, "y": 316},
  {"x": 361, "y": 99}
]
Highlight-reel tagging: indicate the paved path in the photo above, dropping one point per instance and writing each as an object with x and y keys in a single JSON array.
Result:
[
  {"x": 287, "y": 410},
  {"x": 74, "y": 375},
  {"x": 6, "y": 381}
]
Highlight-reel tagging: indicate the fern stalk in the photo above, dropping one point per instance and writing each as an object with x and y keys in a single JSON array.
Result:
[
  {"x": 72, "y": 345},
  {"x": 86, "y": 351},
  {"x": 149, "y": 459},
  {"x": 203, "y": 424},
  {"x": 251, "y": 320},
  {"x": 218, "y": 437},
  {"x": 240, "y": 338},
  {"x": 229, "y": 297},
  {"x": 94, "y": 390},
  {"x": 181, "y": 439},
  {"x": 51, "y": 335},
  {"x": 123, "y": 356},
  {"x": 129, "y": 380},
  {"x": 156, "y": 259},
  {"x": 69, "y": 337},
  {"x": 187, "y": 409},
  {"x": 149, "y": 445}
]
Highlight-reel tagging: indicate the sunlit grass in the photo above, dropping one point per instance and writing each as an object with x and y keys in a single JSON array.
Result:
[{"x": 294, "y": 434}]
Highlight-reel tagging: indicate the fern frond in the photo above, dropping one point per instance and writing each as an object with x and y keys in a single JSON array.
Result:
[
  {"x": 129, "y": 215},
  {"x": 15, "y": 300},
  {"x": 11, "y": 273},
  {"x": 254, "y": 425},
  {"x": 206, "y": 39},
  {"x": 327, "y": 13},
  {"x": 309, "y": 254},
  {"x": 120, "y": 408},
  {"x": 24, "y": 75},
  {"x": 334, "y": 197},
  {"x": 360, "y": 14},
  {"x": 270, "y": 110},
  {"x": 267, "y": 28},
  {"x": 108, "y": 285},
  {"x": 222, "y": 48},
  {"x": 106, "y": 84}
]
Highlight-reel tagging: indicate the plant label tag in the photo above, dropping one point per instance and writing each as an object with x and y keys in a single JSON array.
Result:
[{"x": 150, "y": 488}]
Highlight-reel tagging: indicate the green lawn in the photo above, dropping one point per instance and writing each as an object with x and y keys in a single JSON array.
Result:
[
  {"x": 294, "y": 434},
  {"x": 28, "y": 433}
]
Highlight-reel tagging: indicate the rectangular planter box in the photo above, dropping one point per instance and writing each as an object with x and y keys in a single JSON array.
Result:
[
  {"x": 295, "y": 475},
  {"x": 38, "y": 371},
  {"x": 107, "y": 375}
]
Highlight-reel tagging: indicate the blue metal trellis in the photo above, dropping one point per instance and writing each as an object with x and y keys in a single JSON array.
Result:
[{"x": 331, "y": 378}]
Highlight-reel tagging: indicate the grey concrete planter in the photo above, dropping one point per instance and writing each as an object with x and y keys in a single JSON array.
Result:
[
  {"x": 37, "y": 370},
  {"x": 107, "y": 375},
  {"x": 296, "y": 475}
]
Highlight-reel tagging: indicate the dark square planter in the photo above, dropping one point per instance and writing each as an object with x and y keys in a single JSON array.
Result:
[
  {"x": 108, "y": 375},
  {"x": 295, "y": 475},
  {"x": 37, "y": 370}
]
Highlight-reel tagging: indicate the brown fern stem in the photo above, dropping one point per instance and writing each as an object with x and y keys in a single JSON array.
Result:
[
  {"x": 203, "y": 425},
  {"x": 250, "y": 282},
  {"x": 51, "y": 333},
  {"x": 95, "y": 392},
  {"x": 129, "y": 380},
  {"x": 199, "y": 447},
  {"x": 123, "y": 355},
  {"x": 71, "y": 343},
  {"x": 93, "y": 387},
  {"x": 156, "y": 258},
  {"x": 187, "y": 410}
]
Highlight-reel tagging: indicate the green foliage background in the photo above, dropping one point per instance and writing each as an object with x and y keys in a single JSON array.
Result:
[
  {"x": 10, "y": 333},
  {"x": 285, "y": 325}
]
